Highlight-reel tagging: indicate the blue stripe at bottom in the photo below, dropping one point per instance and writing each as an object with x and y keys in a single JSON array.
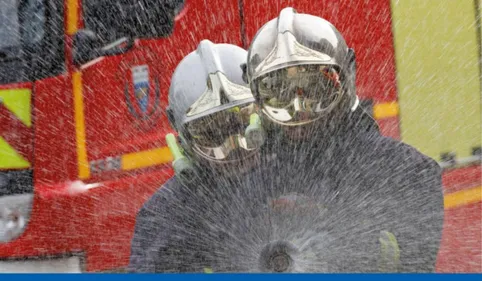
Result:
[{"x": 242, "y": 277}]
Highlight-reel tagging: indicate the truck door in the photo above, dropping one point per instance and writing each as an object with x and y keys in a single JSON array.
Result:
[{"x": 123, "y": 97}]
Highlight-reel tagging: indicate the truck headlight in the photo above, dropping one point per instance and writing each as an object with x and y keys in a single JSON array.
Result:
[{"x": 14, "y": 215}]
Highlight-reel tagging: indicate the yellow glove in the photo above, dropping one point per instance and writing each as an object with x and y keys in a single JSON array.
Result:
[{"x": 389, "y": 252}]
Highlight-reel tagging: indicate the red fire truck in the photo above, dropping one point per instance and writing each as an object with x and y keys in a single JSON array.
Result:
[{"x": 83, "y": 92}]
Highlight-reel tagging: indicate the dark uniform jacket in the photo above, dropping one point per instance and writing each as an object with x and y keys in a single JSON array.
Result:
[{"x": 337, "y": 196}]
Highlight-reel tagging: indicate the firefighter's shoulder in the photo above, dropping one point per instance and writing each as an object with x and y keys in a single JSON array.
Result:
[
  {"x": 401, "y": 158},
  {"x": 404, "y": 174},
  {"x": 158, "y": 201}
]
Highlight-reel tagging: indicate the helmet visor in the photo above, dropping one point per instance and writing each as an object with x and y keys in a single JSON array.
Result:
[
  {"x": 221, "y": 136},
  {"x": 300, "y": 94}
]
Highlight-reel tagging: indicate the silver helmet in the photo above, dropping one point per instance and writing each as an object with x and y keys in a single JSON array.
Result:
[
  {"x": 212, "y": 108},
  {"x": 300, "y": 70}
]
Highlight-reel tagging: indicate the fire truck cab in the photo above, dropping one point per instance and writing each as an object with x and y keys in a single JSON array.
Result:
[
  {"x": 83, "y": 92},
  {"x": 83, "y": 88}
]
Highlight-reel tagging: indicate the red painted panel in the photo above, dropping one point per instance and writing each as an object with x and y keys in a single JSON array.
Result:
[
  {"x": 461, "y": 249},
  {"x": 55, "y": 145},
  {"x": 462, "y": 178},
  {"x": 98, "y": 222},
  {"x": 390, "y": 127}
]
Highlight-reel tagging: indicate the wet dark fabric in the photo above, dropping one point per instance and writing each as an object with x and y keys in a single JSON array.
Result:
[
  {"x": 360, "y": 182},
  {"x": 167, "y": 212}
]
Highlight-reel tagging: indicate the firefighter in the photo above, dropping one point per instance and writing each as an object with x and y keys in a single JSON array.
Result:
[
  {"x": 331, "y": 195},
  {"x": 219, "y": 136},
  {"x": 338, "y": 196},
  {"x": 380, "y": 191}
]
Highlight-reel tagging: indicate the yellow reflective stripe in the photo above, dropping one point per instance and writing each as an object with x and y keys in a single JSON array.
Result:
[
  {"x": 72, "y": 16},
  {"x": 10, "y": 159},
  {"x": 463, "y": 197},
  {"x": 18, "y": 101},
  {"x": 208, "y": 270},
  {"x": 385, "y": 110},
  {"x": 82, "y": 162},
  {"x": 147, "y": 158}
]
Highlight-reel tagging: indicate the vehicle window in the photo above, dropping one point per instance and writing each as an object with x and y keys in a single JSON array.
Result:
[
  {"x": 33, "y": 24},
  {"x": 22, "y": 23},
  {"x": 31, "y": 39},
  {"x": 113, "y": 19},
  {"x": 9, "y": 24}
]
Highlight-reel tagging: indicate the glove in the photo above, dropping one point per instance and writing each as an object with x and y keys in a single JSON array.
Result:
[{"x": 389, "y": 260}]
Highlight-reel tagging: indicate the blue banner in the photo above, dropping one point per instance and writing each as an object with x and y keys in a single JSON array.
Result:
[{"x": 242, "y": 277}]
